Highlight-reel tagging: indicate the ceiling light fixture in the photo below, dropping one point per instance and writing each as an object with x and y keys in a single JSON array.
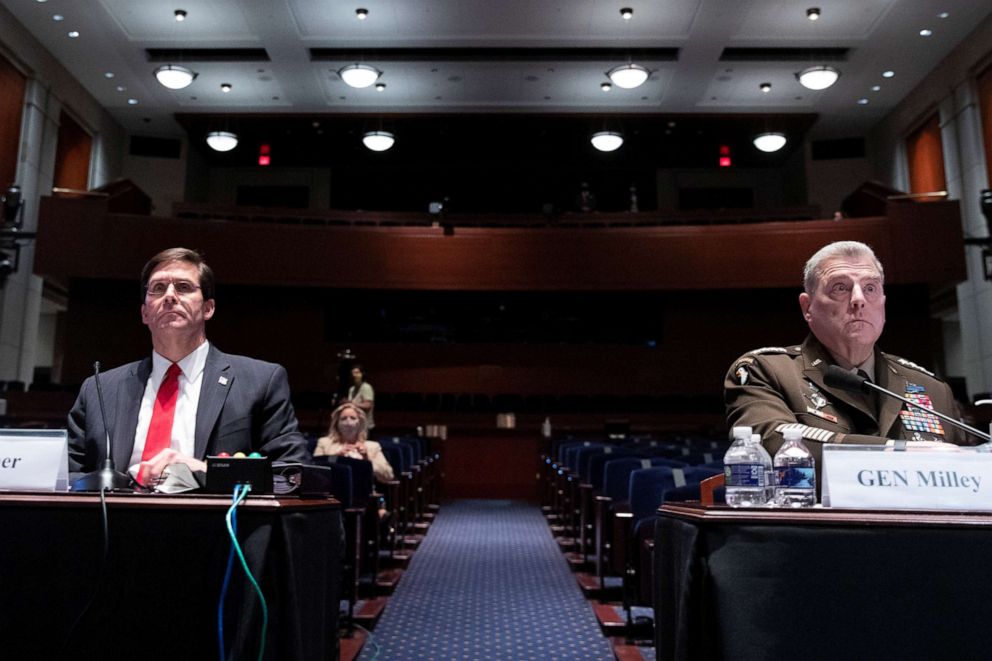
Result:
[
  {"x": 818, "y": 78},
  {"x": 362, "y": 13},
  {"x": 73, "y": 34},
  {"x": 359, "y": 75},
  {"x": 607, "y": 140},
  {"x": 180, "y": 15},
  {"x": 225, "y": 87},
  {"x": 58, "y": 17},
  {"x": 175, "y": 77},
  {"x": 876, "y": 88},
  {"x": 606, "y": 87},
  {"x": 926, "y": 32},
  {"x": 627, "y": 13},
  {"x": 813, "y": 13},
  {"x": 380, "y": 87},
  {"x": 769, "y": 142},
  {"x": 765, "y": 87},
  {"x": 108, "y": 74},
  {"x": 378, "y": 140},
  {"x": 628, "y": 76},
  {"x": 222, "y": 140},
  {"x": 862, "y": 102},
  {"x": 132, "y": 102}
]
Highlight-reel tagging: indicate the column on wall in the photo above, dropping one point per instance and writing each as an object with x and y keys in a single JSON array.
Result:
[
  {"x": 20, "y": 299},
  {"x": 965, "y": 174}
]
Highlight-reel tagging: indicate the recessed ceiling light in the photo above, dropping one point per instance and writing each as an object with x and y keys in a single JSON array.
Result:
[
  {"x": 225, "y": 87},
  {"x": 58, "y": 17},
  {"x": 73, "y": 34},
  {"x": 607, "y": 140},
  {"x": 606, "y": 87},
  {"x": 862, "y": 102},
  {"x": 627, "y": 13},
  {"x": 359, "y": 75},
  {"x": 380, "y": 87},
  {"x": 888, "y": 74},
  {"x": 362, "y": 13},
  {"x": 943, "y": 14},
  {"x": 765, "y": 87},
  {"x": 40, "y": 1},
  {"x": 926, "y": 32},
  {"x": 378, "y": 140},
  {"x": 818, "y": 78},
  {"x": 180, "y": 15},
  {"x": 132, "y": 102},
  {"x": 813, "y": 13},
  {"x": 876, "y": 88},
  {"x": 121, "y": 88},
  {"x": 769, "y": 142},
  {"x": 108, "y": 74}
]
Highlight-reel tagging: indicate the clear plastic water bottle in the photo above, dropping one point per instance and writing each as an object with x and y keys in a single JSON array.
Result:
[
  {"x": 766, "y": 460},
  {"x": 795, "y": 472},
  {"x": 745, "y": 471}
]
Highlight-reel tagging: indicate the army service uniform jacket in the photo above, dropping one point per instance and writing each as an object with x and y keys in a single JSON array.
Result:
[{"x": 775, "y": 388}]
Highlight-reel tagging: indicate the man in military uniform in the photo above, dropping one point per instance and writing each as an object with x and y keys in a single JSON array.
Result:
[{"x": 777, "y": 388}]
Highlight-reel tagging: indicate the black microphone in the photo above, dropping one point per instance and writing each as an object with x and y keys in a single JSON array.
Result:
[
  {"x": 107, "y": 478},
  {"x": 838, "y": 377}
]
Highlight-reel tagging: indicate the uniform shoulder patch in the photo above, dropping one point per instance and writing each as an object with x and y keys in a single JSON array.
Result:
[{"x": 910, "y": 365}]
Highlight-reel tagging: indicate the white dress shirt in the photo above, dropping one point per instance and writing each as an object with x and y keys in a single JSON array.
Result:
[{"x": 184, "y": 422}]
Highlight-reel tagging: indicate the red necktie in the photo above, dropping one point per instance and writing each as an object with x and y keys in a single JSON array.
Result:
[{"x": 160, "y": 429}]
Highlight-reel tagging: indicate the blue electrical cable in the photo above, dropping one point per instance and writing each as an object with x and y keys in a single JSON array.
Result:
[
  {"x": 232, "y": 517},
  {"x": 244, "y": 564}
]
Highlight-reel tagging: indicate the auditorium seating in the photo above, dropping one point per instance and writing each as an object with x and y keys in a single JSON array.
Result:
[{"x": 601, "y": 496}]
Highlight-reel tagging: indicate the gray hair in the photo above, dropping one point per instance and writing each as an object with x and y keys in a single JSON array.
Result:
[{"x": 814, "y": 267}]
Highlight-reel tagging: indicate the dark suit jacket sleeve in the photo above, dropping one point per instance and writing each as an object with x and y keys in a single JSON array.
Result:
[
  {"x": 279, "y": 435},
  {"x": 83, "y": 451}
]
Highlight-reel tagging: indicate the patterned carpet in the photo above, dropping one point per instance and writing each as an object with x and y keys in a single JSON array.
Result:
[{"x": 488, "y": 583}]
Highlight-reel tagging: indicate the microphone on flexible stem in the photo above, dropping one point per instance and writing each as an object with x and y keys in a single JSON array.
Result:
[
  {"x": 838, "y": 377},
  {"x": 107, "y": 478}
]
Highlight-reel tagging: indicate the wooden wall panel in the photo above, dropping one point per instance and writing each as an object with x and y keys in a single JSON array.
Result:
[
  {"x": 917, "y": 242},
  {"x": 72, "y": 155},
  {"x": 924, "y": 151}
]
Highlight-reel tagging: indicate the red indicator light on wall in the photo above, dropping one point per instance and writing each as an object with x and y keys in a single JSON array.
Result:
[
  {"x": 264, "y": 155},
  {"x": 724, "y": 156}
]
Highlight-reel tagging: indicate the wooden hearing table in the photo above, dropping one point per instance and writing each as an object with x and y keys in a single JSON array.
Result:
[
  {"x": 160, "y": 592},
  {"x": 742, "y": 584}
]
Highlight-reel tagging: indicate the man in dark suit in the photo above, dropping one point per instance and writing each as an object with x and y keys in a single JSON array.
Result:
[{"x": 188, "y": 399}]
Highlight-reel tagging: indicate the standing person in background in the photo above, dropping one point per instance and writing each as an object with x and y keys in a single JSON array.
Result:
[{"x": 361, "y": 394}]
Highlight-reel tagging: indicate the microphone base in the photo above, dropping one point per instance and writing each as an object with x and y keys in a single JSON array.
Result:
[{"x": 103, "y": 480}]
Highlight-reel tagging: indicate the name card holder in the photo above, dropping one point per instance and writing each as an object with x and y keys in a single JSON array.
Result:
[
  {"x": 884, "y": 477},
  {"x": 34, "y": 459}
]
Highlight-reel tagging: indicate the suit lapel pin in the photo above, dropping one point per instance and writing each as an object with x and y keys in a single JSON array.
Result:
[{"x": 222, "y": 380}]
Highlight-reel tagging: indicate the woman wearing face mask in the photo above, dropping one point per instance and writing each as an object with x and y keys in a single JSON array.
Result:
[{"x": 348, "y": 437}]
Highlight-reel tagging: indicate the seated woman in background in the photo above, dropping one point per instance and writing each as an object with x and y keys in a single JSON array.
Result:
[{"x": 348, "y": 437}]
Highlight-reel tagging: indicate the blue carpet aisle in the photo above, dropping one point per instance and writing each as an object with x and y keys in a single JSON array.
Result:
[{"x": 488, "y": 583}]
